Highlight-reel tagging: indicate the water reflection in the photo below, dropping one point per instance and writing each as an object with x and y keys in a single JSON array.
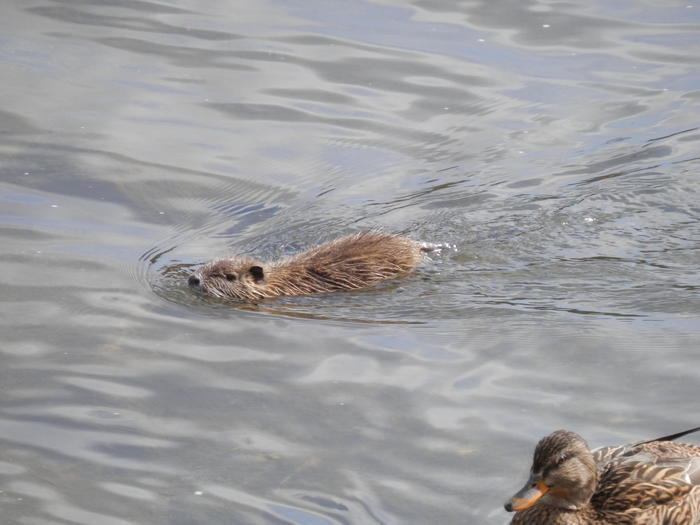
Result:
[{"x": 552, "y": 147}]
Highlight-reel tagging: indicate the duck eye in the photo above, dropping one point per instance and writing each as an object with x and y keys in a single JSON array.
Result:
[{"x": 230, "y": 277}]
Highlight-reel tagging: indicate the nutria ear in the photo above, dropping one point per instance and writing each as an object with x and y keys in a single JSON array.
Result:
[{"x": 257, "y": 273}]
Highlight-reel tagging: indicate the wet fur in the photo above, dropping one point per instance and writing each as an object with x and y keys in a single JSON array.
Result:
[{"x": 348, "y": 263}]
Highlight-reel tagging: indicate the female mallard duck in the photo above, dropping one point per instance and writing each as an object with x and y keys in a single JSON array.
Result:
[{"x": 653, "y": 482}]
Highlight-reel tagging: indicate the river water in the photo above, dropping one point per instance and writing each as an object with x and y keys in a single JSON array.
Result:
[{"x": 552, "y": 148}]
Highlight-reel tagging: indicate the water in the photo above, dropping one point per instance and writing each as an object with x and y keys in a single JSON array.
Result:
[{"x": 554, "y": 145}]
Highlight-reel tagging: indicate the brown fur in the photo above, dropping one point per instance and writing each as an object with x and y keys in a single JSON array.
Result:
[{"x": 349, "y": 263}]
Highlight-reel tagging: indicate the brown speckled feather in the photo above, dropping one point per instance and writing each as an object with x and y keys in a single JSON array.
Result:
[{"x": 647, "y": 483}]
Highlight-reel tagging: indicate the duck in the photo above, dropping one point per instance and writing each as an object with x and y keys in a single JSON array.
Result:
[{"x": 652, "y": 482}]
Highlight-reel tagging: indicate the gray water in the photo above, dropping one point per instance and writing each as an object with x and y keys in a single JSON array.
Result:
[{"x": 554, "y": 146}]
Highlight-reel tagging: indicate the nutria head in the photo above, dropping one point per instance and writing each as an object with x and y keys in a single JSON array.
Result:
[{"x": 236, "y": 278}]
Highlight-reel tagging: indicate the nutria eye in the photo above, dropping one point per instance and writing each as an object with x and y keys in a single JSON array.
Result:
[{"x": 230, "y": 277}]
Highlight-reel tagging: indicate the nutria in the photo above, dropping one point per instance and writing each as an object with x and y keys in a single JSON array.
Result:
[{"x": 351, "y": 262}]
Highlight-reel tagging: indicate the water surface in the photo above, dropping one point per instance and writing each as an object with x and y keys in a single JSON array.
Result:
[{"x": 554, "y": 147}]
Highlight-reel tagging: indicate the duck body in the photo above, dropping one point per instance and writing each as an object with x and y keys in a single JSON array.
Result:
[{"x": 655, "y": 482}]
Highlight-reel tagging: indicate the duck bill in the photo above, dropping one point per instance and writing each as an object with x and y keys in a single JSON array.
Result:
[{"x": 527, "y": 496}]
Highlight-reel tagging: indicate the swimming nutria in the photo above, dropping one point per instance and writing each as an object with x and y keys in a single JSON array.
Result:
[{"x": 351, "y": 262}]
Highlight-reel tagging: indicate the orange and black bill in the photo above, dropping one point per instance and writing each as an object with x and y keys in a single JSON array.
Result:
[{"x": 527, "y": 496}]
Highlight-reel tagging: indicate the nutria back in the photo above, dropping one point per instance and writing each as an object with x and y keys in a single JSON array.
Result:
[{"x": 348, "y": 263}]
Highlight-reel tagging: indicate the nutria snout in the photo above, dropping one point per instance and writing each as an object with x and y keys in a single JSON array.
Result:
[{"x": 348, "y": 263}]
